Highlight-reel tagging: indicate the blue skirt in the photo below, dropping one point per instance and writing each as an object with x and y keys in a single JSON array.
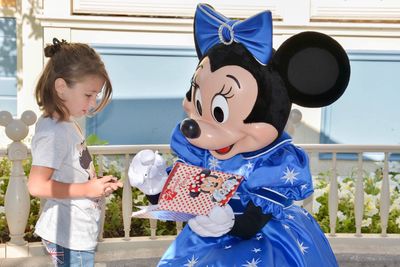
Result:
[{"x": 296, "y": 240}]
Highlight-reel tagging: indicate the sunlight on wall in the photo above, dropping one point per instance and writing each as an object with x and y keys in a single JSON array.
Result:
[{"x": 8, "y": 3}]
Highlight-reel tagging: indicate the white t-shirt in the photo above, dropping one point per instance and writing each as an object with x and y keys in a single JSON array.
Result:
[{"x": 71, "y": 223}]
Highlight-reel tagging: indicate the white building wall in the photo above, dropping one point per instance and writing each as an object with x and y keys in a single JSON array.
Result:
[{"x": 369, "y": 25}]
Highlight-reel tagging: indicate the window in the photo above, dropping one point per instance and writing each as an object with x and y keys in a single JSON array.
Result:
[
  {"x": 8, "y": 65},
  {"x": 149, "y": 84},
  {"x": 355, "y": 10},
  {"x": 368, "y": 112},
  {"x": 172, "y": 8}
]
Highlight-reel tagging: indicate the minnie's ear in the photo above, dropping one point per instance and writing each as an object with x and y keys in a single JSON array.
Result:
[{"x": 314, "y": 67}]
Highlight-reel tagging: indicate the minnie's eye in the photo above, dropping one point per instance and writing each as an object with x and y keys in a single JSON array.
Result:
[
  {"x": 220, "y": 109},
  {"x": 197, "y": 102}
]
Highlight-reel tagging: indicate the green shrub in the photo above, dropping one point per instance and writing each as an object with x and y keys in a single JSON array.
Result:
[
  {"x": 5, "y": 168},
  {"x": 346, "y": 217},
  {"x": 113, "y": 225}
]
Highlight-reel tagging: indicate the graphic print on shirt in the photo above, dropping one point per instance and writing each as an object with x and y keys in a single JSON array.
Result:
[{"x": 85, "y": 160}]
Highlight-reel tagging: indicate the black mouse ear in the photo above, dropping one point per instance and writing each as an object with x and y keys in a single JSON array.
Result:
[
  {"x": 314, "y": 67},
  {"x": 206, "y": 172}
]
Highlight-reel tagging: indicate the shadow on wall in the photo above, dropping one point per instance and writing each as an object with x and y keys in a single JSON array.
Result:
[
  {"x": 8, "y": 58},
  {"x": 27, "y": 18}
]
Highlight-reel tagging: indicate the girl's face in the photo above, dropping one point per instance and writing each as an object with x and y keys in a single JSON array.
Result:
[{"x": 80, "y": 98}]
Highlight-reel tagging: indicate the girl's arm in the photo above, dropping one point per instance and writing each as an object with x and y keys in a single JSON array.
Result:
[{"x": 41, "y": 185}]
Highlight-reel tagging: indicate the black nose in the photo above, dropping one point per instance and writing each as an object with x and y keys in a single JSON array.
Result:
[{"x": 190, "y": 128}]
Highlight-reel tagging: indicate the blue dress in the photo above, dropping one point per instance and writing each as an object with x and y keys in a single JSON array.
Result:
[{"x": 274, "y": 177}]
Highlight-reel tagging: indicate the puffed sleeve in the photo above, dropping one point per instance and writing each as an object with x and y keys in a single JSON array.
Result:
[
  {"x": 48, "y": 150},
  {"x": 279, "y": 178}
]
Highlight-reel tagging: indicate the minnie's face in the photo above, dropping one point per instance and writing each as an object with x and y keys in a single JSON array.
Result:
[
  {"x": 220, "y": 102},
  {"x": 210, "y": 184}
]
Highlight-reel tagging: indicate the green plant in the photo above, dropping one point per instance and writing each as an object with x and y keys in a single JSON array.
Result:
[
  {"x": 5, "y": 172},
  {"x": 5, "y": 168},
  {"x": 113, "y": 225},
  {"x": 346, "y": 217},
  {"x": 94, "y": 140}
]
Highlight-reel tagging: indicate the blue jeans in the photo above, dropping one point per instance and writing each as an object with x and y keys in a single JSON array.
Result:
[{"x": 65, "y": 257}]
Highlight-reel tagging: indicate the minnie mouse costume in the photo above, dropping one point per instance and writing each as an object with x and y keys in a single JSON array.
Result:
[{"x": 237, "y": 106}]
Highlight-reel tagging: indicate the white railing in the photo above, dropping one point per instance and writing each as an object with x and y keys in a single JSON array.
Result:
[
  {"x": 359, "y": 189},
  {"x": 17, "y": 211},
  {"x": 129, "y": 150}
]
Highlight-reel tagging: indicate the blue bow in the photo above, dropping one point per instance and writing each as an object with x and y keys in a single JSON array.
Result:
[{"x": 255, "y": 33}]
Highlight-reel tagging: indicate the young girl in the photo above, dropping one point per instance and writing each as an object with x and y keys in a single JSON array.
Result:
[{"x": 62, "y": 169}]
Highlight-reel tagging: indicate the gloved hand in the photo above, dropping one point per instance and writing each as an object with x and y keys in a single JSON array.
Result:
[
  {"x": 147, "y": 172},
  {"x": 217, "y": 223}
]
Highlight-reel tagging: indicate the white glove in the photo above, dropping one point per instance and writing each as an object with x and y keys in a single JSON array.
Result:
[
  {"x": 147, "y": 172},
  {"x": 217, "y": 223}
]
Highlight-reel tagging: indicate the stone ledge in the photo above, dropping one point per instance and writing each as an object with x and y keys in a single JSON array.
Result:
[
  {"x": 366, "y": 244},
  {"x": 351, "y": 251},
  {"x": 367, "y": 260}
]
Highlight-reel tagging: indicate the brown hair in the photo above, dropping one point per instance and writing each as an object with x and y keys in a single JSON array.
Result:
[{"x": 71, "y": 62}]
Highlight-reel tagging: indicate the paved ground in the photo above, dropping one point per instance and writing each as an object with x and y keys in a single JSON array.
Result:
[
  {"x": 345, "y": 260},
  {"x": 359, "y": 252}
]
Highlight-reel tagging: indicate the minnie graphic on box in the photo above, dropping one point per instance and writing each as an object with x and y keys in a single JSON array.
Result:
[
  {"x": 237, "y": 107},
  {"x": 207, "y": 183}
]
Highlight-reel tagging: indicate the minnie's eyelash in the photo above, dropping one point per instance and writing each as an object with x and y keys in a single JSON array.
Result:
[
  {"x": 226, "y": 93},
  {"x": 193, "y": 83}
]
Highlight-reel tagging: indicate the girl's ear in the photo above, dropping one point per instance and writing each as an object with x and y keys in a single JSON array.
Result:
[
  {"x": 60, "y": 85},
  {"x": 314, "y": 67}
]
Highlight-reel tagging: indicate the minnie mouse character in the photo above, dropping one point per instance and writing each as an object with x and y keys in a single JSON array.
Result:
[{"x": 238, "y": 104}]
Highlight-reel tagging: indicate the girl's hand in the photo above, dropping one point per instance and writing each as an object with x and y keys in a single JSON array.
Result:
[
  {"x": 102, "y": 186},
  {"x": 41, "y": 184}
]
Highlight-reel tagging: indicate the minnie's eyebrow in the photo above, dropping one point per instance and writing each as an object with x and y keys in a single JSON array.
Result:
[
  {"x": 234, "y": 78},
  {"x": 194, "y": 75}
]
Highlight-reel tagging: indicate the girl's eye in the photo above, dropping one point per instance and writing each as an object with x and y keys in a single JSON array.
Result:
[
  {"x": 88, "y": 96},
  {"x": 197, "y": 102},
  {"x": 220, "y": 109}
]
